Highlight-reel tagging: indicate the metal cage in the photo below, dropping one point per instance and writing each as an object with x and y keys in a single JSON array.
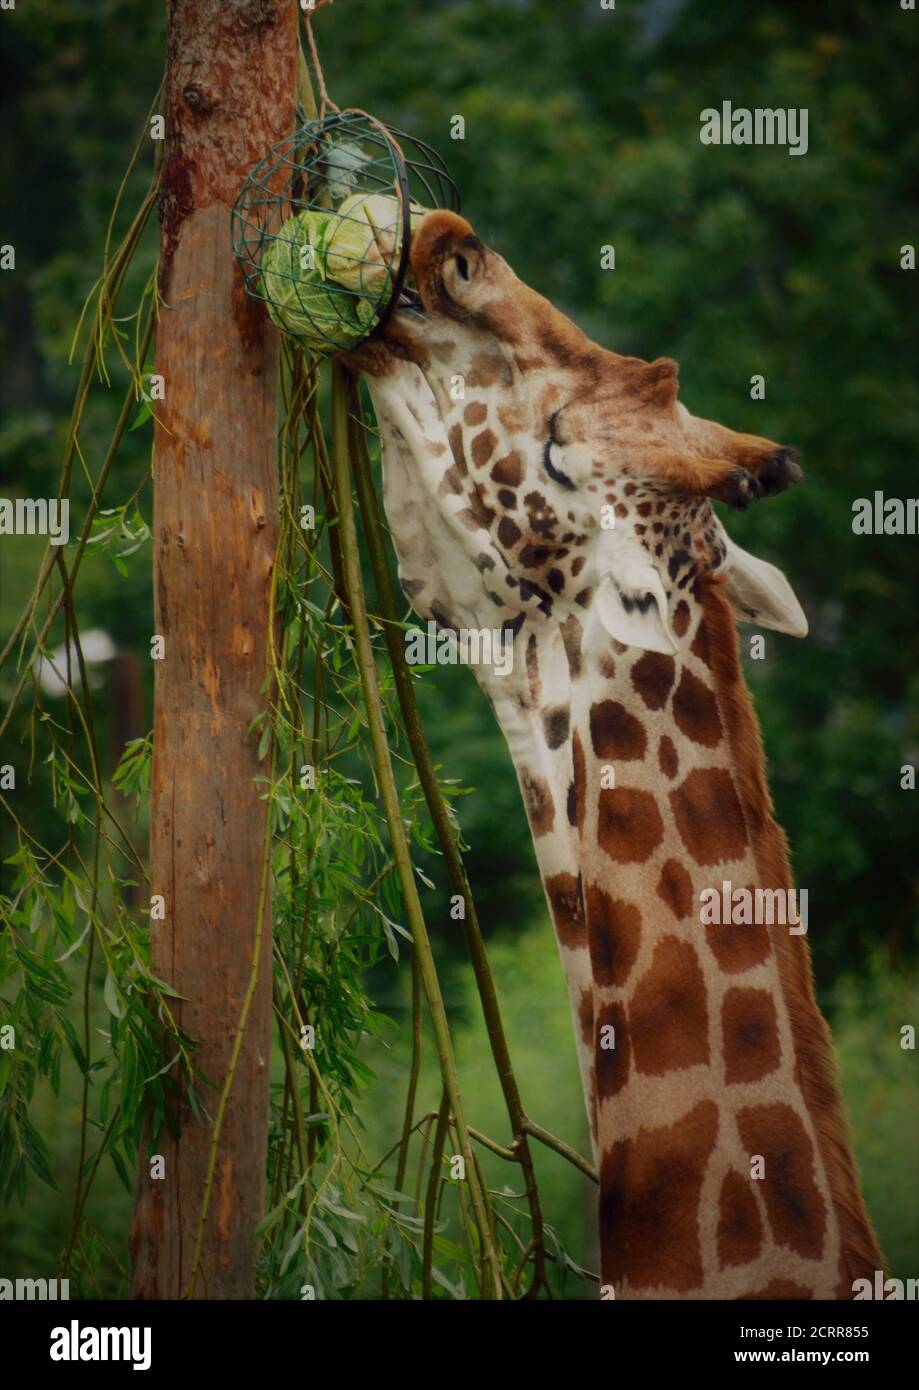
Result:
[{"x": 344, "y": 181}]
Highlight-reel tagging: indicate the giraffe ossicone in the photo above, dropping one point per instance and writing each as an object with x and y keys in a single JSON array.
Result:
[{"x": 511, "y": 441}]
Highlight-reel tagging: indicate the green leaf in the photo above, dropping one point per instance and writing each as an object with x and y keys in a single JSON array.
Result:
[
  {"x": 440, "y": 1278},
  {"x": 76, "y": 945},
  {"x": 166, "y": 989},
  {"x": 110, "y": 995},
  {"x": 264, "y": 742},
  {"x": 144, "y": 413}
]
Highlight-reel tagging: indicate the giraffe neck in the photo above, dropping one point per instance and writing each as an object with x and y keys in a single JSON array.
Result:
[
  {"x": 533, "y": 711},
  {"x": 724, "y": 1165}
]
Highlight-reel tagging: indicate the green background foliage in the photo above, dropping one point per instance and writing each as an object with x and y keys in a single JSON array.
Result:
[{"x": 581, "y": 130}]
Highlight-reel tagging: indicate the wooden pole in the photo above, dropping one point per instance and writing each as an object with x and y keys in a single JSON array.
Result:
[{"x": 230, "y": 95}]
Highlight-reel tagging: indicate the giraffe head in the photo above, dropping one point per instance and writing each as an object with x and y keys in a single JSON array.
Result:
[{"x": 578, "y": 478}]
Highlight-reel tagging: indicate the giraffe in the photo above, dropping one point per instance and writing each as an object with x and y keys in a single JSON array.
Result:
[{"x": 537, "y": 482}]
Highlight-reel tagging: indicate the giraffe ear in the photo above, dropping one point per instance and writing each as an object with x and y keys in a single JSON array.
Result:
[
  {"x": 760, "y": 593},
  {"x": 632, "y": 606}
]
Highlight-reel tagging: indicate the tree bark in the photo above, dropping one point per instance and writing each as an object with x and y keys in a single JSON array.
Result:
[{"x": 230, "y": 95}]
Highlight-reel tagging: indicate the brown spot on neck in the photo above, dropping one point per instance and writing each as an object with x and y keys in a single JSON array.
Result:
[
  {"x": 615, "y": 733},
  {"x": 537, "y": 798},
  {"x": 709, "y": 817},
  {"x": 675, "y": 889},
  {"x": 567, "y": 905},
  {"x": 667, "y": 757},
  {"x": 668, "y": 1013},
  {"x": 740, "y": 1227},
  {"x": 509, "y": 469},
  {"x": 614, "y": 930},
  {"x": 629, "y": 824},
  {"x": 652, "y": 677},
  {"x": 556, "y": 722},
  {"x": 796, "y": 1211},
  {"x": 750, "y": 1033},
  {"x": 649, "y": 1203},
  {"x": 613, "y": 1050},
  {"x": 483, "y": 446},
  {"x": 814, "y": 1056},
  {"x": 695, "y": 710},
  {"x": 577, "y": 805},
  {"x": 572, "y": 631}
]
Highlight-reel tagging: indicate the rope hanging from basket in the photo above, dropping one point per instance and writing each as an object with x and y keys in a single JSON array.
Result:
[{"x": 325, "y": 101}]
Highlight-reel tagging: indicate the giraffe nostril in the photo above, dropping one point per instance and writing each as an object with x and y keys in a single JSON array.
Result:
[{"x": 462, "y": 266}]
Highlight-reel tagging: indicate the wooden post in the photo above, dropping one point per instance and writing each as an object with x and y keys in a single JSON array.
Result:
[{"x": 230, "y": 95}]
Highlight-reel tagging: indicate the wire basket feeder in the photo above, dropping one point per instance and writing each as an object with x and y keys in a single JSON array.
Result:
[{"x": 323, "y": 224}]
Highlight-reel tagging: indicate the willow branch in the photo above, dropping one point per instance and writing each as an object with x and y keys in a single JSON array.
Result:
[
  {"x": 430, "y": 1201},
  {"x": 443, "y": 827},
  {"x": 351, "y": 569},
  {"x": 551, "y": 1141},
  {"x": 57, "y": 604}
]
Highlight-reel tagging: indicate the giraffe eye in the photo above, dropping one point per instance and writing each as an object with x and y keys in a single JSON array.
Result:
[
  {"x": 462, "y": 266},
  {"x": 553, "y": 456}
]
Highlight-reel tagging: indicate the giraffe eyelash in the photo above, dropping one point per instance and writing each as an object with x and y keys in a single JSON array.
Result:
[{"x": 555, "y": 473}]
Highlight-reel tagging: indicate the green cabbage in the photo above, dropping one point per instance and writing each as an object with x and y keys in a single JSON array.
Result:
[
  {"x": 301, "y": 301},
  {"x": 333, "y": 303},
  {"x": 362, "y": 240}
]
